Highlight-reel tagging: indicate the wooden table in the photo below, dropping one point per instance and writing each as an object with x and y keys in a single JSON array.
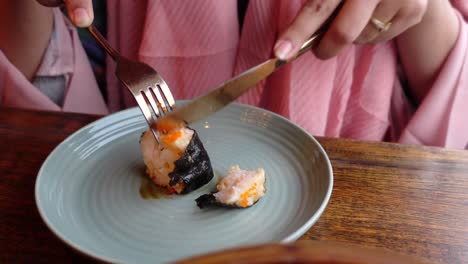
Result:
[{"x": 409, "y": 199}]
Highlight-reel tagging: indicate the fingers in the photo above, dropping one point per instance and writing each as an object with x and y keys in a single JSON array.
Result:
[
  {"x": 80, "y": 12},
  {"x": 346, "y": 27},
  {"x": 307, "y": 22},
  {"x": 407, "y": 16},
  {"x": 384, "y": 12},
  {"x": 357, "y": 22}
]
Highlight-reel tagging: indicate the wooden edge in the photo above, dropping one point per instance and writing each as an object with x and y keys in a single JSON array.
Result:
[{"x": 317, "y": 252}]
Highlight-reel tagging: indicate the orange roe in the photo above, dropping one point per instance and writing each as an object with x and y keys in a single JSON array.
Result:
[
  {"x": 171, "y": 137},
  {"x": 247, "y": 194},
  {"x": 165, "y": 125}
]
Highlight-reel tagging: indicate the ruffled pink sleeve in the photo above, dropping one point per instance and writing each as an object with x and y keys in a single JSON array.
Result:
[
  {"x": 64, "y": 56},
  {"x": 441, "y": 119}
]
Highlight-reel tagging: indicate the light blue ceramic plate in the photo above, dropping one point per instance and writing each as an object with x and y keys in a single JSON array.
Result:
[{"x": 88, "y": 189}]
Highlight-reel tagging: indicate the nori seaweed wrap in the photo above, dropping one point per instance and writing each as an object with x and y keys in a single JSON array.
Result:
[{"x": 193, "y": 168}]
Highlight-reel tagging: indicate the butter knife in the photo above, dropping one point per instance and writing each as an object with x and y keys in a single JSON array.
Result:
[{"x": 232, "y": 89}]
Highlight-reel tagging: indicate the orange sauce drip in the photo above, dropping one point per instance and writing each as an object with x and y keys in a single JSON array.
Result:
[
  {"x": 247, "y": 194},
  {"x": 149, "y": 190},
  {"x": 170, "y": 190}
]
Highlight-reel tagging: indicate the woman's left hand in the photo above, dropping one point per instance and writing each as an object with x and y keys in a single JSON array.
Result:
[{"x": 357, "y": 21}]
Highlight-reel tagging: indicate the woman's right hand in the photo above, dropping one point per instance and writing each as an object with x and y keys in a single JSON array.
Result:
[{"x": 80, "y": 11}]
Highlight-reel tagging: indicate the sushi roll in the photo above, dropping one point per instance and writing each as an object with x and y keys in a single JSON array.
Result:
[
  {"x": 179, "y": 162},
  {"x": 240, "y": 188}
]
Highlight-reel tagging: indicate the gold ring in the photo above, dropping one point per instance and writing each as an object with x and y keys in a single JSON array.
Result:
[{"x": 381, "y": 26}]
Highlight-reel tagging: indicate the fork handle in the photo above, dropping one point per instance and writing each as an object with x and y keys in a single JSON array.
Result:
[
  {"x": 103, "y": 42},
  {"x": 92, "y": 30}
]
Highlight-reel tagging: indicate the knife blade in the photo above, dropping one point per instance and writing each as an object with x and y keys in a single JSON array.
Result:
[
  {"x": 227, "y": 92},
  {"x": 232, "y": 89}
]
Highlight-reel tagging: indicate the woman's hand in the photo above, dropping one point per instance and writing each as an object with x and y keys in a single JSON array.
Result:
[
  {"x": 80, "y": 11},
  {"x": 357, "y": 21}
]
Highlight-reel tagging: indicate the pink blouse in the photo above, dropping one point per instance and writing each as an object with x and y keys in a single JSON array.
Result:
[{"x": 196, "y": 45}]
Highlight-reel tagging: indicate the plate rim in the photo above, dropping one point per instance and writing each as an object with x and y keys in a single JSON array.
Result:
[{"x": 87, "y": 253}]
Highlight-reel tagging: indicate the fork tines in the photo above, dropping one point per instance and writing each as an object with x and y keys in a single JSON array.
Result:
[{"x": 158, "y": 102}]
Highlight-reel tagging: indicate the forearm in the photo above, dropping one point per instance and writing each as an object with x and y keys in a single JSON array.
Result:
[
  {"x": 25, "y": 30},
  {"x": 424, "y": 47}
]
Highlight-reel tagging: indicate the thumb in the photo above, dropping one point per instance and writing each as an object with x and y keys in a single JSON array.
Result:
[{"x": 80, "y": 12}]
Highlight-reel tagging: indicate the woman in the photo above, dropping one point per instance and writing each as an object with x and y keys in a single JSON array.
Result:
[{"x": 394, "y": 69}]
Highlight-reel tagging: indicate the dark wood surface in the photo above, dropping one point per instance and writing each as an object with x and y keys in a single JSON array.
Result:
[{"x": 409, "y": 199}]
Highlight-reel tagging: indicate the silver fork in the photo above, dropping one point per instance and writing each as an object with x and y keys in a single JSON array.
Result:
[{"x": 147, "y": 86}]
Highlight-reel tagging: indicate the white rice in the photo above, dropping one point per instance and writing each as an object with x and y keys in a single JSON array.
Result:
[{"x": 159, "y": 160}]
